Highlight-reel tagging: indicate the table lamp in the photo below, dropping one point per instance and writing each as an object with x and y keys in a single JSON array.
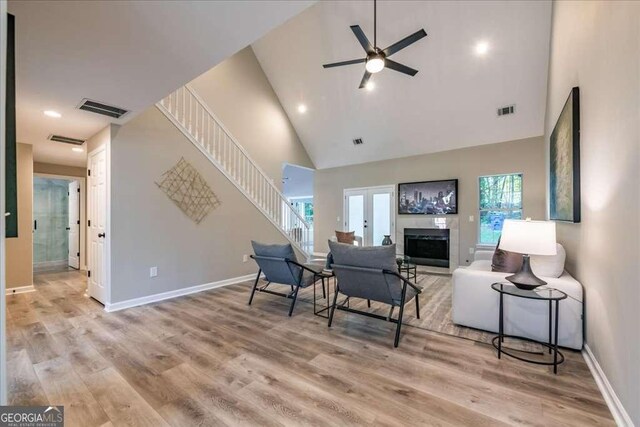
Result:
[{"x": 528, "y": 238}]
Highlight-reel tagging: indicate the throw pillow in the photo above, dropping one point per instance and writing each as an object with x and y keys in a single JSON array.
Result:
[
  {"x": 347, "y": 237},
  {"x": 505, "y": 261}
]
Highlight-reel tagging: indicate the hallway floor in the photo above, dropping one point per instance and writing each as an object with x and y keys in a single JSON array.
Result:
[{"x": 210, "y": 359}]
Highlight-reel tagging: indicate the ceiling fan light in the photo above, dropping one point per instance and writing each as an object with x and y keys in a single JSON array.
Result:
[{"x": 375, "y": 64}]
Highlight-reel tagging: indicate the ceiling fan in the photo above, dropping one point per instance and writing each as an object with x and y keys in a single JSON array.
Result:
[{"x": 377, "y": 59}]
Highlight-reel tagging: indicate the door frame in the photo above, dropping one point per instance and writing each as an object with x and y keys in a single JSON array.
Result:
[
  {"x": 107, "y": 219},
  {"x": 83, "y": 211},
  {"x": 391, "y": 187}
]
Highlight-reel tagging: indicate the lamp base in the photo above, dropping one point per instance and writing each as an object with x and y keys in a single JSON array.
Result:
[{"x": 525, "y": 279}]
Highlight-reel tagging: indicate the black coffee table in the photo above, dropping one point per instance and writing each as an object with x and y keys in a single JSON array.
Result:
[{"x": 543, "y": 294}]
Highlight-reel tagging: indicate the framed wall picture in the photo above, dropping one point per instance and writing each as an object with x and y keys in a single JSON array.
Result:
[
  {"x": 428, "y": 198},
  {"x": 564, "y": 162}
]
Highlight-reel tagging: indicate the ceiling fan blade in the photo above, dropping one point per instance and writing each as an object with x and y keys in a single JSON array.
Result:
[
  {"x": 404, "y": 42},
  {"x": 364, "y": 41},
  {"x": 339, "y": 64},
  {"x": 365, "y": 79},
  {"x": 399, "y": 67}
]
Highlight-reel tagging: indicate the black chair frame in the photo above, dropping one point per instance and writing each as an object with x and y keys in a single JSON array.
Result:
[
  {"x": 294, "y": 288},
  {"x": 398, "y": 321}
]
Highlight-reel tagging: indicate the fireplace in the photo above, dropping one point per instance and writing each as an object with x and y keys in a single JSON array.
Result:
[{"x": 427, "y": 246}]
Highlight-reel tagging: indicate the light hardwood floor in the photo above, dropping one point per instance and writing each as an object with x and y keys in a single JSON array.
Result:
[
  {"x": 435, "y": 308},
  {"x": 209, "y": 359}
]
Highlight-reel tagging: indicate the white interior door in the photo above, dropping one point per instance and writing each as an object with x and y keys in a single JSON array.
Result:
[
  {"x": 370, "y": 212},
  {"x": 74, "y": 224},
  {"x": 96, "y": 216}
]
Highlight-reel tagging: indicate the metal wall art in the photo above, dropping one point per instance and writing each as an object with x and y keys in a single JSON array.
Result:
[{"x": 184, "y": 185}]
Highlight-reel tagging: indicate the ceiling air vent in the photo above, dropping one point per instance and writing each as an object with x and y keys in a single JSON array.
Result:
[
  {"x": 66, "y": 139},
  {"x": 100, "y": 108},
  {"x": 509, "y": 109},
  {"x": 357, "y": 141}
]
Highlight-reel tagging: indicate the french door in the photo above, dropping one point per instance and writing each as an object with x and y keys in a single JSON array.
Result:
[{"x": 370, "y": 213}]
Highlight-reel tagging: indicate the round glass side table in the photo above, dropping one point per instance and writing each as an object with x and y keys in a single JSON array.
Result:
[
  {"x": 410, "y": 269},
  {"x": 544, "y": 294}
]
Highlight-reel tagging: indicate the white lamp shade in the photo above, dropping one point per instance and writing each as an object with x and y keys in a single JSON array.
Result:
[{"x": 529, "y": 237}]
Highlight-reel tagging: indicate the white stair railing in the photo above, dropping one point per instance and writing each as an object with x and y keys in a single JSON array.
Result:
[{"x": 188, "y": 112}]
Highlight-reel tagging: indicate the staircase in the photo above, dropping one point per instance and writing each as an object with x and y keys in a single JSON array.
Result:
[{"x": 188, "y": 112}]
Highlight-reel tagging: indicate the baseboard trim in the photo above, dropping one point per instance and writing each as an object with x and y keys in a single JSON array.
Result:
[
  {"x": 20, "y": 290},
  {"x": 174, "y": 294},
  {"x": 620, "y": 415}
]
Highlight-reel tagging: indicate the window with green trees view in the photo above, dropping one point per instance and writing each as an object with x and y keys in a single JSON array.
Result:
[{"x": 500, "y": 199}]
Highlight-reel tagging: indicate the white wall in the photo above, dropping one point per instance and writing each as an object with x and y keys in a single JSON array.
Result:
[
  {"x": 596, "y": 46},
  {"x": 148, "y": 229},
  {"x": 239, "y": 93},
  {"x": 525, "y": 156}
]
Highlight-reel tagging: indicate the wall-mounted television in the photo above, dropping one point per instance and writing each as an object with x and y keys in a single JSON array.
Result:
[{"x": 428, "y": 197}]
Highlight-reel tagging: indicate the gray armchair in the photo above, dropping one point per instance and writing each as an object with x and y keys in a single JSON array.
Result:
[
  {"x": 279, "y": 265},
  {"x": 371, "y": 273}
]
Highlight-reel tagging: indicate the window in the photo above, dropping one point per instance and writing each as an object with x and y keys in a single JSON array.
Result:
[
  {"x": 500, "y": 199},
  {"x": 304, "y": 207}
]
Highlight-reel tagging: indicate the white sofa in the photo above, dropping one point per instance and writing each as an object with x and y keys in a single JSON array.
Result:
[{"x": 476, "y": 305}]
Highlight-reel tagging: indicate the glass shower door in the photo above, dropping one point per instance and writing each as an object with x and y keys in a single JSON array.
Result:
[{"x": 50, "y": 222}]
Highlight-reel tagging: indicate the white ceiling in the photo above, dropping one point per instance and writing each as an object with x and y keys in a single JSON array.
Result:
[
  {"x": 127, "y": 53},
  {"x": 451, "y": 102}
]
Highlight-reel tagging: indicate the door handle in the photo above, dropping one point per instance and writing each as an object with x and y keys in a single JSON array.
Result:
[
  {"x": 101, "y": 234},
  {"x": 68, "y": 228},
  {"x": 35, "y": 224}
]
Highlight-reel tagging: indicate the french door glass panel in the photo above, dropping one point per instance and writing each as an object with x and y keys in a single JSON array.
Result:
[
  {"x": 381, "y": 217},
  {"x": 369, "y": 212},
  {"x": 355, "y": 209}
]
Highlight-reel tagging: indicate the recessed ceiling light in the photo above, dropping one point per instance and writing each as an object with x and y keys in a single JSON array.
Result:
[
  {"x": 482, "y": 48},
  {"x": 77, "y": 150},
  {"x": 51, "y": 113},
  {"x": 302, "y": 108},
  {"x": 370, "y": 86}
]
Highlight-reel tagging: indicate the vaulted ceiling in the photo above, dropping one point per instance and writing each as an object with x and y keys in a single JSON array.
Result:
[
  {"x": 126, "y": 53},
  {"x": 451, "y": 102}
]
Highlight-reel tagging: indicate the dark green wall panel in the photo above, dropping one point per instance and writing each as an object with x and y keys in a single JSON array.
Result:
[{"x": 11, "y": 185}]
